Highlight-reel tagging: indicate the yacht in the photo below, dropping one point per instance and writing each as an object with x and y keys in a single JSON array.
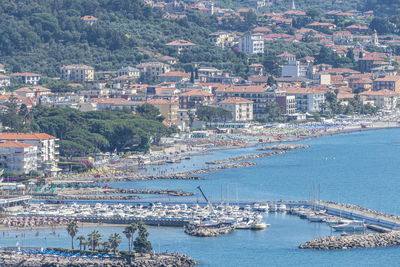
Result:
[
  {"x": 282, "y": 207},
  {"x": 350, "y": 226}
]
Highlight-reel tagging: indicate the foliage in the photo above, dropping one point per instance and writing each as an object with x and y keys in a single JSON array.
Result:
[
  {"x": 94, "y": 239},
  {"x": 213, "y": 114},
  {"x": 129, "y": 231},
  {"x": 114, "y": 241},
  {"x": 273, "y": 113},
  {"x": 333, "y": 106},
  {"x": 72, "y": 229},
  {"x": 142, "y": 245}
]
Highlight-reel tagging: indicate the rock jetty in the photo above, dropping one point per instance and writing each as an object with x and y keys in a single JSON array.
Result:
[
  {"x": 227, "y": 166},
  {"x": 11, "y": 259},
  {"x": 252, "y": 156},
  {"x": 354, "y": 241},
  {"x": 284, "y": 147},
  {"x": 202, "y": 231}
]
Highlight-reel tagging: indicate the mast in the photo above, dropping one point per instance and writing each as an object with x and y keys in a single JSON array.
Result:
[{"x": 293, "y": 5}]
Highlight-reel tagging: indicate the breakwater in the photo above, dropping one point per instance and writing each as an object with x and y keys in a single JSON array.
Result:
[
  {"x": 284, "y": 147},
  {"x": 354, "y": 241},
  {"x": 201, "y": 231},
  {"x": 252, "y": 156},
  {"x": 223, "y": 167}
]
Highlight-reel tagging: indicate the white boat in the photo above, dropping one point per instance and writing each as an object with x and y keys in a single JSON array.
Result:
[
  {"x": 350, "y": 226},
  {"x": 274, "y": 207},
  {"x": 282, "y": 207},
  {"x": 316, "y": 218},
  {"x": 259, "y": 226}
]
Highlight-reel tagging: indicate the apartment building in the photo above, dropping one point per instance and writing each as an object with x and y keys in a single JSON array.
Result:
[
  {"x": 77, "y": 73},
  {"x": 16, "y": 157},
  {"x": 240, "y": 108},
  {"x": 251, "y": 44}
]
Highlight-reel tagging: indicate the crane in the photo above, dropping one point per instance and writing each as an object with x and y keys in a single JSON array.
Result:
[{"x": 209, "y": 203}]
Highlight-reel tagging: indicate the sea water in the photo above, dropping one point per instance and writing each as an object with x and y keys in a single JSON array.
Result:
[{"x": 360, "y": 168}]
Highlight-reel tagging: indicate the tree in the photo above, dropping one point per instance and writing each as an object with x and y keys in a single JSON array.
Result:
[
  {"x": 149, "y": 112},
  {"x": 11, "y": 118},
  {"x": 81, "y": 240},
  {"x": 129, "y": 231},
  {"x": 271, "y": 81},
  {"x": 94, "y": 239},
  {"x": 191, "y": 116},
  {"x": 142, "y": 245},
  {"x": 114, "y": 240},
  {"x": 312, "y": 13},
  {"x": 210, "y": 114},
  {"x": 72, "y": 229}
]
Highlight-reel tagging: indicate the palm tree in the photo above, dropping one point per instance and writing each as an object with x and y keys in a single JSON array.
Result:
[
  {"x": 114, "y": 240},
  {"x": 94, "y": 239},
  {"x": 129, "y": 231},
  {"x": 72, "y": 229},
  {"x": 82, "y": 240}
]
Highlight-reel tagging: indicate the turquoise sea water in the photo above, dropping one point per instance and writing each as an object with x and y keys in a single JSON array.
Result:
[{"x": 360, "y": 168}]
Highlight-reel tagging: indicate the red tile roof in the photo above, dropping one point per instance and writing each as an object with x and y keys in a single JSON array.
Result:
[
  {"x": 384, "y": 92},
  {"x": 24, "y": 74},
  {"x": 235, "y": 100},
  {"x": 15, "y": 144},
  {"x": 196, "y": 92},
  {"x": 180, "y": 43},
  {"x": 25, "y": 136}
]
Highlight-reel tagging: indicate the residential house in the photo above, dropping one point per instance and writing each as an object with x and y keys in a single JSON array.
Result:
[
  {"x": 322, "y": 26},
  {"x": 153, "y": 69},
  {"x": 286, "y": 57},
  {"x": 115, "y": 104},
  {"x": 222, "y": 39},
  {"x": 180, "y": 45},
  {"x": 46, "y": 148},
  {"x": 208, "y": 71},
  {"x": 294, "y": 69},
  {"x": 342, "y": 37},
  {"x": 168, "y": 109},
  {"x": 251, "y": 44},
  {"x": 385, "y": 99},
  {"x": 391, "y": 83},
  {"x": 307, "y": 99},
  {"x": 357, "y": 29},
  {"x": 77, "y": 73},
  {"x": 174, "y": 76},
  {"x": 27, "y": 78},
  {"x": 2, "y": 69},
  {"x": 34, "y": 91},
  {"x": 18, "y": 157},
  {"x": 195, "y": 98},
  {"x": 89, "y": 19},
  {"x": 256, "y": 69},
  {"x": 287, "y": 103},
  {"x": 371, "y": 61},
  {"x": 4, "y": 80},
  {"x": 240, "y": 108},
  {"x": 129, "y": 71},
  {"x": 258, "y": 94}
]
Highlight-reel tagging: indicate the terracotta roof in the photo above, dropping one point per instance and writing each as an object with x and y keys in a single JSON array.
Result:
[
  {"x": 235, "y": 100},
  {"x": 15, "y": 144},
  {"x": 159, "y": 102},
  {"x": 379, "y": 93},
  {"x": 4, "y": 76},
  {"x": 321, "y": 24},
  {"x": 261, "y": 29},
  {"x": 340, "y": 70},
  {"x": 242, "y": 88},
  {"x": 389, "y": 78},
  {"x": 196, "y": 92},
  {"x": 77, "y": 67},
  {"x": 24, "y": 74},
  {"x": 286, "y": 54},
  {"x": 25, "y": 136},
  {"x": 303, "y": 91},
  {"x": 116, "y": 101},
  {"x": 345, "y": 95},
  {"x": 88, "y": 17},
  {"x": 180, "y": 43},
  {"x": 175, "y": 74}
]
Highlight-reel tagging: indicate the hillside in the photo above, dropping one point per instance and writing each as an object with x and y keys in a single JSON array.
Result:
[{"x": 43, "y": 35}]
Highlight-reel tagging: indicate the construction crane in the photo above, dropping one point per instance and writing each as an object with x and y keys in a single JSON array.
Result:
[{"x": 209, "y": 203}]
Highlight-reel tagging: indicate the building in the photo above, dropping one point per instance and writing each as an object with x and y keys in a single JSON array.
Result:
[
  {"x": 152, "y": 69},
  {"x": 33, "y": 91},
  {"x": 195, "y": 98},
  {"x": 174, "y": 76},
  {"x": 240, "y": 108},
  {"x": 167, "y": 108},
  {"x": 115, "y": 103},
  {"x": 322, "y": 26},
  {"x": 287, "y": 103},
  {"x": 294, "y": 69},
  {"x": 180, "y": 45},
  {"x": 222, "y": 39},
  {"x": 258, "y": 94},
  {"x": 211, "y": 72},
  {"x": 16, "y": 157},
  {"x": 89, "y": 19},
  {"x": 251, "y": 44},
  {"x": 2, "y": 69},
  {"x": 46, "y": 144},
  {"x": 342, "y": 37},
  {"x": 286, "y": 57},
  {"x": 27, "y": 78},
  {"x": 4, "y": 80},
  {"x": 391, "y": 83},
  {"x": 129, "y": 71},
  {"x": 307, "y": 99},
  {"x": 256, "y": 69},
  {"x": 385, "y": 99},
  {"x": 77, "y": 73}
]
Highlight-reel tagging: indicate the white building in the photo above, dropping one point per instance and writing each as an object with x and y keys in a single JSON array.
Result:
[
  {"x": 241, "y": 108},
  {"x": 4, "y": 80},
  {"x": 307, "y": 99},
  {"x": 18, "y": 157},
  {"x": 46, "y": 144},
  {"x": 28, "y": 78},
  {"x": 294, "y": 69},
  {"x": 251, "y": 44},
  {"x": 129, "y": 71}
]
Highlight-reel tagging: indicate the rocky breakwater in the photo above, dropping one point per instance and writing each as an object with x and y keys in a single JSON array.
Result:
[
  {"x": 354, "y": 241},
  {"x": 227, "y": 166},
  {"x": 284, "y": 147},
  {"x": 252, "y": 156},
  {"x": 207, "y": 231}
]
